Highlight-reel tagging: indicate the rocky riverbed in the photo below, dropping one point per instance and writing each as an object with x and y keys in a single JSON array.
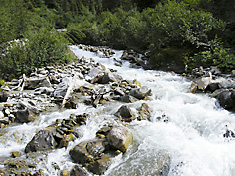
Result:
[{"x": 57, "y": 88}]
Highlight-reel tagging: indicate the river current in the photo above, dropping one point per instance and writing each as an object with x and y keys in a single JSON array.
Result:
[{"x": 188, "y": 127}]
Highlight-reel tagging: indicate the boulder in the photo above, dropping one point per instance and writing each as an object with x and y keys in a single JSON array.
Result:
[
  {"x": 4, "y": 96},
  {"x": 99, "y": 166},
  {"x": 144, "y": 112},
  {"x": 141, "y": 92},
  {"x": 226, "y": 99},
  {"x": 212, "y": 87},
  {"x": 61, "y": 89},
  {"x": 125, "y": 113},
  {"x": 78, "y": 171},
  {"x": 23, "y": 116},
  {"x": 94, "y": 72},
  {"x": 35, "y": 82},
  {"x": 120, "y": 138},
  {"x": 87, "y": 151},
  {"x": 145, "y": 162},
  {"x": 42, "y": 141},
  {"x": 110, "y": 77},
  {"x": 128, "y": 99}
]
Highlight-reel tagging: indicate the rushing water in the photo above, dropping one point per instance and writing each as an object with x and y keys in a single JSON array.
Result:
[{"x": 192, "y": 136}]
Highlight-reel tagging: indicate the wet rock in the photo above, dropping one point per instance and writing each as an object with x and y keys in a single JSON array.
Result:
[
  {"x": 212, "y": 87},
  {"x": 42, "y": 141},
  {"x": 100, "y": 166},
  {"x": 65, "y": 140},
  {"x": 141, "y": 92},
  {"x": 15, "y": 154},
  {"x": 71, "y": 104},
  {"x": 119, "y": 91},
  {"x": 128, "y": 99},
  {"x": 120, "y": 138},
  {"x": 125, "y": 113},
  {"x": 23, "y": 116},
  {"x": 88, "y": 151},
  {"x": 227, "y": 100},
  {"x": 78, "y": 171},
  {"x": 103, "y": 132},
  {"x": 229, "y": 134},
  {"x": 144, "y": 112},
  {"x": 4, "y": 96},
  {"x": 145, "y": 162}
]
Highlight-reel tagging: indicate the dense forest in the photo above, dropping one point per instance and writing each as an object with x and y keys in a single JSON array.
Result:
[{"x": 195, "y": 32}]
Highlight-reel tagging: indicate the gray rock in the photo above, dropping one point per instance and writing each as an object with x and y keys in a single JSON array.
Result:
[
  {"x": 23, "y": 116},
  {"x": 128, "y": 99},
  {"x": 61, "y": 89},
  {"x": 94, "y": 72},
  {"x": 42, "y": 141},
  {"x": 87, "y": 151},
  {"x": 141, "y": 92},
  {"x": 110, "y": 77},
  {"x": 120, "y": 138},
  {"x": 227, "y": 100},
  {"x": 145, "y": 162},
  {"x": 125, "y": 113},
  {"x": 4, "y": 96}
]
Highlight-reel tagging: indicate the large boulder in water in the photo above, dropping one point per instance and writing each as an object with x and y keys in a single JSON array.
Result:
[
  {"x": 145, "y": 162},
  {"x": 125, "y": 113},
  {"x": 42, "y": 141},
  {"x": 87, "y": 151},
  {"x": 227, "y": 100},
  {"x": 100, "y": 166},
  {"x": 120, "y": 138}
]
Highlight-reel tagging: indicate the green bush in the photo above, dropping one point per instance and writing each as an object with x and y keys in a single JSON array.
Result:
[
  {"x": 40, "y": 49},
  {"x": 219, "y": 56}
]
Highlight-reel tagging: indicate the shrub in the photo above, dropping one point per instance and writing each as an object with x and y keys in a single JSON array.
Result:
[{"x": 40, "y": 49}]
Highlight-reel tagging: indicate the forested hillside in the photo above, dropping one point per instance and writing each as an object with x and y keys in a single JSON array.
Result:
[{"x": 195, "y": 32}]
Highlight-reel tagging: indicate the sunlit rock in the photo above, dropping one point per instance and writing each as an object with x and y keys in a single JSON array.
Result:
[{"x": 120, "y": 138}]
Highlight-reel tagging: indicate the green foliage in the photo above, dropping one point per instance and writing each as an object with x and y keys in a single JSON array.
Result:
[
  {"x": 40, "y": 49},
  {"x": 220, "y": 57}
]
